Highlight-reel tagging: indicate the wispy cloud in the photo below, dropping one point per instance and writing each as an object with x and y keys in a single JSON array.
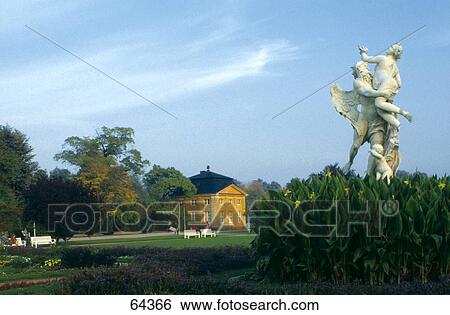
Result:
[
  {"x": 56, "y": 90},
  {"x": 249, "y": 64},
  {"x": 223, "y": 30}
]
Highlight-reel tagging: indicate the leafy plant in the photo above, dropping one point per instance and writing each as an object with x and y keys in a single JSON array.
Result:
[
  {"x": 18, "y": 262},
  {"x": 85, "y": 257},
  {"x": 414, "y": 244}
]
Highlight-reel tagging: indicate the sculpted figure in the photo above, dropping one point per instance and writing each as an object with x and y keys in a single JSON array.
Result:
[
  {"x": 386, "y": 79},
  {"x": 370, "y": 110},
  {"x": 382, "y": 168},
  {"x": 368, "y": 126}
]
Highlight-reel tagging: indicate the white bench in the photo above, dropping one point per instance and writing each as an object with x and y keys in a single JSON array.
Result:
[
  {"x": 42, "y": 240},
  {"x": 208, "y": 232},
  {"x": 191, "y": 233}
]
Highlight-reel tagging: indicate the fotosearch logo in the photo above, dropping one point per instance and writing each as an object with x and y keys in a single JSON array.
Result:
[
  {"x": 313, "y": 218},
  {"x": 108, "y": 217},
  {"x": 321, "y": 218},
  {"x": 105, "y": 218}
]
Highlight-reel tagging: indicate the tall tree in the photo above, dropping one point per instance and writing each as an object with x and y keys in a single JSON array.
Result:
[
  {"x": 114, "y": 144},
  {"x": 10, "y": 211},
  {"x": 110, "y": 182},
  {"x": 108, "y": 163},
  {"x": 164, "y": 184},
  {"x": 16, "y": 175},
  {"x": 47, "y": 190},
  {"x": 16, "y": 160}
]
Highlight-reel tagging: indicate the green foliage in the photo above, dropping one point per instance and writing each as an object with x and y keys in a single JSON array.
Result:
[
  {"x": 16, "y": 174},
  {"x": 110, "y": 182},
  {"x": 58, "y": 188},
  {"x": 85, "y": 257},
  {"x": 107, "y": 163},
  {"x": 10, "y": 211},
  {"x": 163, "y": 271},
  {"x": 112, "y": 143},
  {"x": 333, "y": 169},
  {"x": 165, "y": 183},
  {"x": 18, "y": 262},
  {"x": 16, "y": 160},
  {"x": 414, "y": 244}
]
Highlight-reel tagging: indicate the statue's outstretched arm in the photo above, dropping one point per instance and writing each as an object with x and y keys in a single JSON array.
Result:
[{"x": 370, "y": 59}]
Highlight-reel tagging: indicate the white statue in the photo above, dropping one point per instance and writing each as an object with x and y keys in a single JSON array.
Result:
[
  {"x": 367, "y": 124},
  {"x": 386, "y": 78},
  {"x": 375, "y": 122},
  {"x": 382, "y": 168}
]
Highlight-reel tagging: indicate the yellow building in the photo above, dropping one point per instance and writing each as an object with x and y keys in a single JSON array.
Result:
[{"x": 218, "y": 203}]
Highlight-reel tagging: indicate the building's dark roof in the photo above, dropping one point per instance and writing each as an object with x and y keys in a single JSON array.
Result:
[{"x": 208, "y": 182}]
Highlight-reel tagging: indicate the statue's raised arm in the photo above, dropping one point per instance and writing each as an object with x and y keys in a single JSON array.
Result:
[{"x": 370, "y": 59}]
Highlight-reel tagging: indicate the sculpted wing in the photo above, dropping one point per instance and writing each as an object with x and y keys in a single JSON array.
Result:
[{"x": 346, "y": 104}]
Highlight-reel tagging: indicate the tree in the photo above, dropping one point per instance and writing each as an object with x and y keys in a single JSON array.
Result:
[
  {"x": 114, "y": 144},
  {"x": 405, "y": 174},
  {"x": 10, "y": 211},
  {"x": 61, "y": 173},
  {"x": 47, "y": 190},
  {"x": 16, "y": 175},
  {"x": 107, "y": 163},
  {"x": 110, "y": 183},
  {"x": 16, "y": 160},
  {"x": 258, "y": 189},
  {"x": 163, "y": 184}
]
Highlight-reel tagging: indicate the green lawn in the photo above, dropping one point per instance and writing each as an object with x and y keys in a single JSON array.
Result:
[{"x": 172, "y": 241}]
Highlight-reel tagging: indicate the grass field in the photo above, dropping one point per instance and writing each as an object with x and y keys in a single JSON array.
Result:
[{"x": 171, "y": 241}]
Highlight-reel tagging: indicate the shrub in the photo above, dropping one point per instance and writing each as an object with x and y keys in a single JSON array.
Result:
[
  {"x": 4, "y": 241},
  {"x": 85, "y": 257},
  {"x": 32, "y": 252},
  {"x": 15, "y": 261},
  {"x": 164, "y": 271},
  {"x": 176, "y": 272},
  {"x": 413, "y": 245},
  {"x": 198, "y": 261}
]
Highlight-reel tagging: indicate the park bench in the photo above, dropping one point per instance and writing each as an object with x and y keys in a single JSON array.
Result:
[
  {"x": 191, "y": 233},
  {"x": 42, "y": 240},
  {"x": 207, "y": 232}
]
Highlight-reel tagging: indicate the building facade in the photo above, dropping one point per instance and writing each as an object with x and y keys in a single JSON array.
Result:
[{"x": 218, "y": 203}]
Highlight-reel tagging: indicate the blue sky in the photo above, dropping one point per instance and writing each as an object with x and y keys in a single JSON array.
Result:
[{"x": 224, "y": 69}]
